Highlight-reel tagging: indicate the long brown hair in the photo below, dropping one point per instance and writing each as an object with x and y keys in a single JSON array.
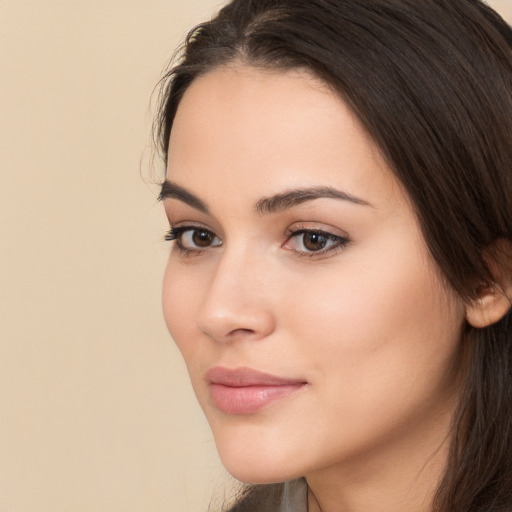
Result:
[{"x": 431, "y": 81}]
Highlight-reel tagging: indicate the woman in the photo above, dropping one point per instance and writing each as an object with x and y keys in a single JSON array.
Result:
[{"x": 339, "y": 190}]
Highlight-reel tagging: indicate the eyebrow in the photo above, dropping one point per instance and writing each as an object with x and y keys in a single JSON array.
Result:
[
  {"x": 267, "y": 205},
  {"x": 286, "y": 200},
  {"x": 171, "y": 190}
]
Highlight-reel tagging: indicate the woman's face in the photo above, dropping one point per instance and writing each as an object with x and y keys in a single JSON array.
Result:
[{"x": 315, "y": 327}]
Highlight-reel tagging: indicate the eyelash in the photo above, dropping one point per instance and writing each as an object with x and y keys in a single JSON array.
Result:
[{"x": 175, "y": 233}]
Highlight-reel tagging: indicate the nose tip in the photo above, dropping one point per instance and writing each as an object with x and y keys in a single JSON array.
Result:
[
  {"x": 237, "y": 304},
  {"x": 230, "y": 322}
]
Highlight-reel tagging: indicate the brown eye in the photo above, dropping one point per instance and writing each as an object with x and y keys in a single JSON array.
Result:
[
  {"x": 314, "y": 241},
  {"x": 308, "y": 242},
  {"x": 202, "y": 238}
]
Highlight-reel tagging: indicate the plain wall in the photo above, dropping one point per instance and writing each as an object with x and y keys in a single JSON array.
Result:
[{"x": 96, "y": 413}]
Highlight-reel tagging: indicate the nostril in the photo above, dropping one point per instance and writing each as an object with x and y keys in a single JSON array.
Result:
[{"x": 241, "y": 332}]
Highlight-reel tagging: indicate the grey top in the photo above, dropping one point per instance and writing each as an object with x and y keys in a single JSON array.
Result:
[{"x": 289, "y": 496}]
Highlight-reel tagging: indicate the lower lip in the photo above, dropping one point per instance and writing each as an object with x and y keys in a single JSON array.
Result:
[{"x": 249, "y": 399}]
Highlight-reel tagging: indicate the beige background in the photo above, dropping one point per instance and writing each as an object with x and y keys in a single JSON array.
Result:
[{"x": 96, "y": 413}]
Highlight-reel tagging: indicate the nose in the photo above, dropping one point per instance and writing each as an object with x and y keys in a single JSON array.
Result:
[{"x": 237, "y": 304}]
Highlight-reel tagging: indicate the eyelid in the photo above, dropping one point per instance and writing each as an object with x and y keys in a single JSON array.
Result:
[
  {"x": 318, "y": 227},
  {"x": 188, "y": 224}
]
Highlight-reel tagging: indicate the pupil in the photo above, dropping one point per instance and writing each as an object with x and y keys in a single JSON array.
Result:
[
  {"x": 202, "y": 238},
  {"x": 314, "y": 241}
]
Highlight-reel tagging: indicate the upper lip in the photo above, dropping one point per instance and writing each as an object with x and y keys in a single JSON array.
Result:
[{"x": 245, "y": 377}]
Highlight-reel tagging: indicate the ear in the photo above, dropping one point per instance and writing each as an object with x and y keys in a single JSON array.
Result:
[
  {"x": 493, "y": 301},
  {"x": 492, "y": 305}
]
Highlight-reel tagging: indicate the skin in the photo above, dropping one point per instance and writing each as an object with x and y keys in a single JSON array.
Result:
[{"x": 369, "y": 324}]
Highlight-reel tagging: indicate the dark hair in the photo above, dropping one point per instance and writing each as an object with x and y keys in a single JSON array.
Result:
[{"x": 431, "y": 81}]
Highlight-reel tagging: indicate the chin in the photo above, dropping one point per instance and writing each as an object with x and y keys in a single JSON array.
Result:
[
  {"x": 256, "y": 460},
  {"x": 257, "y": 474}
]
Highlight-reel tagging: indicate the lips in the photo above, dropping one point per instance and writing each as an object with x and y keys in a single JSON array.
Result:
[{"x": 246, "y": 391}]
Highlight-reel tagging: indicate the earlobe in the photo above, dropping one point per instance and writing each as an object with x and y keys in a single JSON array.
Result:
[{"x": 493, "y": 301}]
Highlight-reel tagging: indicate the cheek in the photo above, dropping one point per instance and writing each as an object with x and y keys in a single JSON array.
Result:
[
  {"x": 371, "y": 329},
  {"x": 179, "y": 302}
]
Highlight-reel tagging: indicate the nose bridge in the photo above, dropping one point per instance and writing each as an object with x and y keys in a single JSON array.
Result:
[{"x": 237, "y": 303}]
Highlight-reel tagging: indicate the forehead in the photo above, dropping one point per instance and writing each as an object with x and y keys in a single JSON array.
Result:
[{"x": 274, "y": 128}]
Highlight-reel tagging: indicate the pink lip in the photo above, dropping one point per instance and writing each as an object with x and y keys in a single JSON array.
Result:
[{"x": 246, "y": 391}]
